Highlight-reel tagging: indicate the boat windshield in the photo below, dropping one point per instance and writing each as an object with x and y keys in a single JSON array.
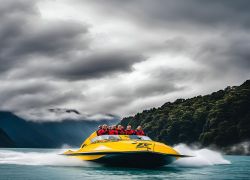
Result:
[
  {"x": 106, "y": 138},
  {"x": 135, "y": 137}
]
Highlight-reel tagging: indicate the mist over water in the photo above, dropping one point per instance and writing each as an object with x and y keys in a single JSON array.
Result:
[
  {"x": 240, "y": 148},
  {"x": 201, "y": 157}
]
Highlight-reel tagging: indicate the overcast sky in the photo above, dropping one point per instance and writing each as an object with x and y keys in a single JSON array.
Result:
[{"x": 118, "y": 57}]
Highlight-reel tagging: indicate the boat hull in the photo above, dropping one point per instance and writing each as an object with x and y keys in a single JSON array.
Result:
[
  {"x": 129, "y": 159},
  {"x": 125, "y": 150}
]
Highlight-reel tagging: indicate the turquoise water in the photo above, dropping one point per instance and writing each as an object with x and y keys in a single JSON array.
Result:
[{"x": 41, "y": 164}]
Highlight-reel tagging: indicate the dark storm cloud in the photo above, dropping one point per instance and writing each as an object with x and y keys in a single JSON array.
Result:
[
  {"x": 240, "y": 54},
  {"x": 126, "y": 96},
  {"x": 230, "y": 52},
  {"x": 82, "y": 67},
  {"x": 24, "y": 34},
  {"x": 35, "y": 94},
  {"x": 155, "y": 88},
  {"x": 12, "y": 90},
  {"x": 176, "y": 44},
  {"x": 228, "y": 19},
  {"x": 47, "y": 39},
  {"x": 98, "y": 65},
  {"x": 184, "y": 13},
  {"x": 50, "y": 39},
  {"x": 227, "y": 22},
  {"x": 152, "y": 87},
  {"x": 160, "y": 82},
  {"x": 13, "y": 8}
]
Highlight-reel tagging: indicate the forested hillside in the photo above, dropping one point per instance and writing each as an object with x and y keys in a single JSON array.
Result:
[{"x": 221, "y": 118}]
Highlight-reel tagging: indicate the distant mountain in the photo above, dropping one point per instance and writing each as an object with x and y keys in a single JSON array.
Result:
[
  {"x": 5, "y": 140},
  {"x": 47, "y": 134},
  {"x": 221, "y": 119}
]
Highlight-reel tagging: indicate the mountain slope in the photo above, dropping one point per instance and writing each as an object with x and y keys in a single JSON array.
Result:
[
  {"x": 47, "y": 134},
  {"x": 221, "y": 118},
  {"x": 5, "y": 140}
]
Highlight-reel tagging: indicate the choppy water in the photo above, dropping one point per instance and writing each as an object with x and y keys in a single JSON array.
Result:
[{"x": 41, "y": 164}]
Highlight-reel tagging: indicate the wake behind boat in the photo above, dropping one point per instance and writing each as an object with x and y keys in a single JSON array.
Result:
[{"x": 125, "y": 150}]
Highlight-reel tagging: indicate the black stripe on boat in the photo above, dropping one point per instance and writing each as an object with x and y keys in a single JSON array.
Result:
[
  {"x": 123, "y": 152},
  {"x": 133, "y": 158}
]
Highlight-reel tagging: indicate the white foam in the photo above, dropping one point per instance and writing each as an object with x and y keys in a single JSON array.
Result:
[
  {"x": 39, "y": 158},
  {"x": 201, "y": 157}
]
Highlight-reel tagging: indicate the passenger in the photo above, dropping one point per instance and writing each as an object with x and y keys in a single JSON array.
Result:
[
  {"x": 99, "y": 128},
  {"x": 104, "y": 130},
  {"x": 129, "y": 131},
  {"x": 120, "y": 130},
  {"x": 139, "y": 131},
  {"x": 113, "y": 131}
]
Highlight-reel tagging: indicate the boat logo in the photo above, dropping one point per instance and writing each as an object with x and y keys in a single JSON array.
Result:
[{"x": 143, "y": 145}]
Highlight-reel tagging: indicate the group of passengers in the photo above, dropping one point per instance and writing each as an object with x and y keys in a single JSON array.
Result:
[{"x": 119, "y": 130}]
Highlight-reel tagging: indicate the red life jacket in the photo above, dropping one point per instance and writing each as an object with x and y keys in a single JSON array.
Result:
[
  {"x": 120, "y": 131},
  {"x": 97, "y": 132},
  {"x": 102, "y": 132},
  {"x": 113, "y": 132},
  {"x": 140, "y": 132},
  {"x": 130, "y": 132}
]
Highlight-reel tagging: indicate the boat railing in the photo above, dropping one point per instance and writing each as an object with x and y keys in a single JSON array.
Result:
[{"x": 105, "y": 138}]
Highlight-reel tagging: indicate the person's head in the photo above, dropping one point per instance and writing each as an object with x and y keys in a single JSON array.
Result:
[
  {"x": 139, "y": 128},
  {"x": 114, "y": 127},
  {"x": 105, "y": 126},
  {"x": 119, "y": 127},
  {"x": 128, "y": 127},
  {"x": 100, "y": 127}
]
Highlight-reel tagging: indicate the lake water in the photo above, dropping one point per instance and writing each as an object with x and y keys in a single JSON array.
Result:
[{"x": 43, "y": 164}]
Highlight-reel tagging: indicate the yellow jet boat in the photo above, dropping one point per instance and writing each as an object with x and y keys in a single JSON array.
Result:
[{"x": 125, "y": 150}]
